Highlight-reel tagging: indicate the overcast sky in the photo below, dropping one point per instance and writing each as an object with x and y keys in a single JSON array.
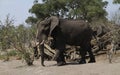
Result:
[
  {"x": 112, "y": 8},
  {"x": 18, "y": 9}
]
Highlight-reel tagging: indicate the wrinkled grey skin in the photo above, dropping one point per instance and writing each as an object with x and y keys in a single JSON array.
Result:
[{"x": 71, "y": 32}]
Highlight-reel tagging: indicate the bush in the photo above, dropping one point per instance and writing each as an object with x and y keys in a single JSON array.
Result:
[
  {"x": 12, "y": 53},
  {"x": 2, "y": 57}
]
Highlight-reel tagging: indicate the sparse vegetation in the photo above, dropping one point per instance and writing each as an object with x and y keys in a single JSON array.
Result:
[{"x": 18, "y": 38}]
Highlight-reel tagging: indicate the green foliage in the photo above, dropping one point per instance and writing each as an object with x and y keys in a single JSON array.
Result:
[
  {"x": 22, "y": 41},
  {"x": 87, "y": 9},
  {"x": 1, "y": 57},
  {"x": 75, "y": 9},
  {"x": 12, "y": 53},
  {"x": 27, "y": 58},
  {"x": 31, "y": 20},
  {"x": 6, "y": 32},
  {"x": 116, "y": 1},
  {"x": 17, "y": 38}
]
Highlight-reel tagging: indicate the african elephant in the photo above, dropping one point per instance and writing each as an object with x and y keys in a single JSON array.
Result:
[{"x": 63, "y": 31}]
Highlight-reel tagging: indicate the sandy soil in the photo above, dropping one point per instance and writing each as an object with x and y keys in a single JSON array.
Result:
[{"x": 101, "y": 67}]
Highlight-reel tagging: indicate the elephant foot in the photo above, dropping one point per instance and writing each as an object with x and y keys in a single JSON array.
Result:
[
  {"x": 43, "y": 65},
  {"x": 82, "y": 62},
  {"x": 61, "y": 63},
  {"x": 91, "y": 61}
]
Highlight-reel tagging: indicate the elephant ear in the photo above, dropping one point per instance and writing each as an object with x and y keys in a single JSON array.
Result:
[{"x": 54, "y": 23}]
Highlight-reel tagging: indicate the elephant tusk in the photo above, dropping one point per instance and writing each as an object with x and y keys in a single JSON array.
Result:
[
  {"x": 42, "y": 42},
  {"x": 37, "y": 43}
]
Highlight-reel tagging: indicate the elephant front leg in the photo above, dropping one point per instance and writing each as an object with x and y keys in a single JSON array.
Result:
[
  {"x": 60, "y": 48},
  {"x": 59, "y": 57}
]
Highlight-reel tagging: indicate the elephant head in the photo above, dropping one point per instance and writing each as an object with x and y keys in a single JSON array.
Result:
[
  {"x": 46, "y": 27},
  {"x": 44, "y": 30}
]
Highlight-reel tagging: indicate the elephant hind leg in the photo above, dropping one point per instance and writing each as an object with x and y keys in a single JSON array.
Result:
[
  {"x": 84, "y": 49},
  {"x": 83, "y": 54}
]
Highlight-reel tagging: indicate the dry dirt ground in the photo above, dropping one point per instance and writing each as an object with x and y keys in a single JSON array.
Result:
[{"x": 101, "y": 67}]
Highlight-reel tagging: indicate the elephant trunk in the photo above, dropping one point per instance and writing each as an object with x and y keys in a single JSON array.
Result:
[{"x": 42, "y": 52}]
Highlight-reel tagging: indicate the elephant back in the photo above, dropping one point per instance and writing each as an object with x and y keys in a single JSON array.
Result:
[{"x": 77, "y": 24}]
